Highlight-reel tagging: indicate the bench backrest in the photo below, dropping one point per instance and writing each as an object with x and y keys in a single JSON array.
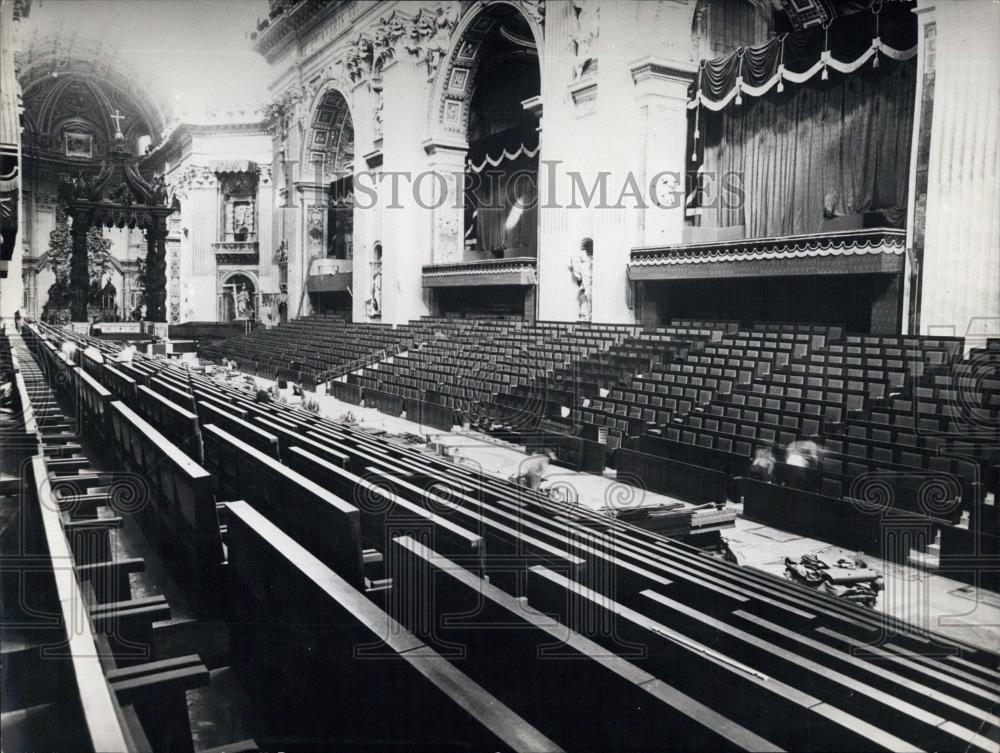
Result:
[{"x": 319, "y": 520}]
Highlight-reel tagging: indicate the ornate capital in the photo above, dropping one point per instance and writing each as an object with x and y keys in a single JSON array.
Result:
[
  {"x": 534, "y": 9},
  {"x": 192, "y": 178},
  {"x": 424, "y": 37}
]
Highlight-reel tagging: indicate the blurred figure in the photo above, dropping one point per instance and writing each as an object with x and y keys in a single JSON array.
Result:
[
  {"x": 124, "y": 355},
  {"x": 801, "y": 461},
  {"x": 533, "y": 469},
  {"x": 762, "y": 468}
]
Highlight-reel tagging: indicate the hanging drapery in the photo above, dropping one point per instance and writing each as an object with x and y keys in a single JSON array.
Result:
[
  {"x": 841, "y": 147},
  {"x": 501, "y": 211},
  {"x": 845, "y": 46},
  {"x": 504, "y": 156}
]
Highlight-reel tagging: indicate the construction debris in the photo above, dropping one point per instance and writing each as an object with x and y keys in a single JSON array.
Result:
[{"x": 849, "y": 579}]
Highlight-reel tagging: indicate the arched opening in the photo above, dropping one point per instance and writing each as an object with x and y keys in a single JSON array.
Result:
[
  {"x": 237, "y": 299},
  {"x": 501, "y": 214},
  {"x": 330, "y": 238},
  {"x": 489, "y": 98}
]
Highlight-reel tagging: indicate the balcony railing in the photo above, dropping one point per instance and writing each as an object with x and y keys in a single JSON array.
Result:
[
  {"x": 330, "y": 275},
  {"x": 514, "y": 271},
  {"x": 860, "y": 251}
]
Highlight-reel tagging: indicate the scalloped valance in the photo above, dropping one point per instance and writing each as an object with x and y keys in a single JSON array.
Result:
[{"x": 798, "y": 57}]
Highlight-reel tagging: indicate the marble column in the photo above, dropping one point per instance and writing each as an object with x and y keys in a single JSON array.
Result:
[
  {"x": 960, "y": 279},
  {"x": 79, "y": 274},
  {"x": 407, "y": 240},
  {"x": 313, "y": 201}
]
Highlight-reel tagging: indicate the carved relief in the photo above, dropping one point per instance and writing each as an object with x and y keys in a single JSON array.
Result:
[
  {"x": 175, "y": 284},
  {"x": 430, "y": 36},
  {"x": 315, "y": 230},
  {"x": 425, "y": 38}
]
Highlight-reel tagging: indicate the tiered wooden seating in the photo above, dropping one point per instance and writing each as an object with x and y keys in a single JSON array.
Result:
[
  {"x": 624, "y": 634},
  {"x": 299, "y": 627},
  {"x": 105, "y": 690},
  {"x": 312, "y": 347}
]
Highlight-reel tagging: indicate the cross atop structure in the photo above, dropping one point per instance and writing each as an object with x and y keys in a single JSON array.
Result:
[{"x": 118, "y": 118}]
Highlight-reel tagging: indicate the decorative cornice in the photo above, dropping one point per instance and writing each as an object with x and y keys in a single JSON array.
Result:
[
  {"x": 445, "y": 145},
  {"x": 583, "y": 90},
  {"x": 656, "y": 68},
  {"x": 233, "y": 252}
]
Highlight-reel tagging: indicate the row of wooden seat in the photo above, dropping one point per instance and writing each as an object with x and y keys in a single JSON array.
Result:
[
  {"x": 732, "y": 657},
  {"x": 113, "y": 692}
]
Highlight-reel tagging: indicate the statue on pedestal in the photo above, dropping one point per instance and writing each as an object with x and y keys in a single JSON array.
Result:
[{"x": 581, "y": 266}]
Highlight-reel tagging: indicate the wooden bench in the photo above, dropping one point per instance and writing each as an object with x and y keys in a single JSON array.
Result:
[
  {"x": 180, "y": 512},
  {"x": 554, "y": 676},
  {"x": 322, "y": 522},
  {"x": 385, "y": 514},
  {"x": 228, "y": 419},
  {"x": 299, "y": 627},
  {"x": 177, "y": 424}
]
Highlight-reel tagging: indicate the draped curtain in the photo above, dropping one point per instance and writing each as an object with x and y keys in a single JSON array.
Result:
[
  {"x": 501, "y": 201},
  {"x": 819, "y": 150}
]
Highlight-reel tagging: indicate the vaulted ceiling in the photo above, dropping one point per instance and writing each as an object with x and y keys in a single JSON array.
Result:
[{"x": 73, "y": 91}]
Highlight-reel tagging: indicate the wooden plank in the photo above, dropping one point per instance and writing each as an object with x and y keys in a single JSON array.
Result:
[
  {"x": 326, "y": 525},
  {"x": 543, "y": 656},
  {"x": 100, "y": 709},
  {"x": 406, "y": 691},
  {"x": 383, "y": 511}
]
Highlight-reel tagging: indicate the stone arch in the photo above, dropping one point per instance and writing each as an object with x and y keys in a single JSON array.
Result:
[
  {"x": 454, "y": 83},
  {"x": 328, "y": 146}
]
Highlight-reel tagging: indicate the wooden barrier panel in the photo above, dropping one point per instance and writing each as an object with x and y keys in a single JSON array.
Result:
[
  {"x": 320, "y": 656},
  {"x": 544, "y": 660},
  {"x": 91, "y": 401},
  {"x": 345, "y": 391},
  {"x": 319, "y": 520},
  {"x": 181, "y": 498},
  {"x": 222, "y": 416},
  {"x": 179, "y": 425},
  {"x": 384, "y": 513},
  {"x": 174, "y": 392},
  {"x": 122, "y": 386},
  {"x": 360, "y": 459},
  {"x": 730, "y": 463},
  {"x": 838, "y": 521},
  {"x": 691, "y": 483},
  {"x": 384, "y": 402},
  {"x": 429, "y": 414},
  {"x": 508, "y": 547}
]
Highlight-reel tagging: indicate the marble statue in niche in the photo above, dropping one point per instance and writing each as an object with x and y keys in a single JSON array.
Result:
[
  {"x": 581, "y": 267},
  {"x": 373, "y": 305}
]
